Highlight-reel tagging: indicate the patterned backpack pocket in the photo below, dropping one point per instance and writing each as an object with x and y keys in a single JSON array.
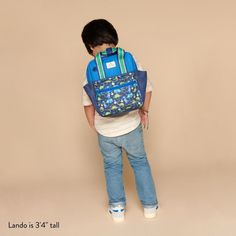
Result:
[{"x": 118, "y": 95}]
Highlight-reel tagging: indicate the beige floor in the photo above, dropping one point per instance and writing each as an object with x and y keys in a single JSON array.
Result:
[{"x": 191, "y": 203}]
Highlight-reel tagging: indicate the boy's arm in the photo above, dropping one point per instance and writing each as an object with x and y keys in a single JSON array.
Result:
[
  {"x": 143, "y": 112},
  {"x": 90, "y": 114},
  {"x": 147, "y": 101}
]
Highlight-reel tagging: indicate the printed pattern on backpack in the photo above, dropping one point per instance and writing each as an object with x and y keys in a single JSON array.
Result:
[{"x": 117, "y": 95}]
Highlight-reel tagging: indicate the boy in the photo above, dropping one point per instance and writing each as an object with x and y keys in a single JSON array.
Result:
[{"x": 121, "y": 132}]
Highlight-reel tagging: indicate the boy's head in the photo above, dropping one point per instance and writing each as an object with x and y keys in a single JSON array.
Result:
[{"x": 98, "y": 32}]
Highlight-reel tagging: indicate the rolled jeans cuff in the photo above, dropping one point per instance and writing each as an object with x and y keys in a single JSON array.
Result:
[
  {"x": 150, "y": 206},
  {"x": 114, "y": 204}
]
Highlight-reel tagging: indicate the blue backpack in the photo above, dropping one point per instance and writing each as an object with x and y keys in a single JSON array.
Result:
[{"x": 115, "y": 85}]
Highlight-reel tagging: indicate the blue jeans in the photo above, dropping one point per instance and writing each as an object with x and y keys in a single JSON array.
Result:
[{"x": 111, "y": 149}]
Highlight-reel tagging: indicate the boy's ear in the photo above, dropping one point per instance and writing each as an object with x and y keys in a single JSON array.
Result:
[{"x": 92, "y": 49}]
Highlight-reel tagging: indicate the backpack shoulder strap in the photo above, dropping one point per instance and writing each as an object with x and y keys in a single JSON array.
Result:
[{"x": 121, "y": 59}]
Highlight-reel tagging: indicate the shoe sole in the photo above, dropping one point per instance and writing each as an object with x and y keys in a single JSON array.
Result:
[
  {"x": 116, "y": 219},
  {"x": 149, "y": 216}
]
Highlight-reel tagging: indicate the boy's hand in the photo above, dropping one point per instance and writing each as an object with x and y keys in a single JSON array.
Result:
[
  {"x": 144, "y": 118},
  {"x": 93, "y": 127}
]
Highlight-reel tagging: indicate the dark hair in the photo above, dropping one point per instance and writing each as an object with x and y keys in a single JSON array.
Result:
[{"x": 98, "y": 32}]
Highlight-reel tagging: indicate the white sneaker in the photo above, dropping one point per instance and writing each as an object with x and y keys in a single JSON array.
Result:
[
  {"x": 150, "y": 212},
  {"x": 117, "y": 213}
]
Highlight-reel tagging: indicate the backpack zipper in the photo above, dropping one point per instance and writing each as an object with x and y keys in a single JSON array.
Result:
[{"x": 116, "y": 87}]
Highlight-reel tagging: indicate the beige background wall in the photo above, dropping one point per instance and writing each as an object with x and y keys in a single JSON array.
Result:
[{"x": 188, "y": 48}]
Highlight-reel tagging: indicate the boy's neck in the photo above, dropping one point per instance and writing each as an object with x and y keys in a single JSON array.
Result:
[{"x": 101, "y": 48}]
